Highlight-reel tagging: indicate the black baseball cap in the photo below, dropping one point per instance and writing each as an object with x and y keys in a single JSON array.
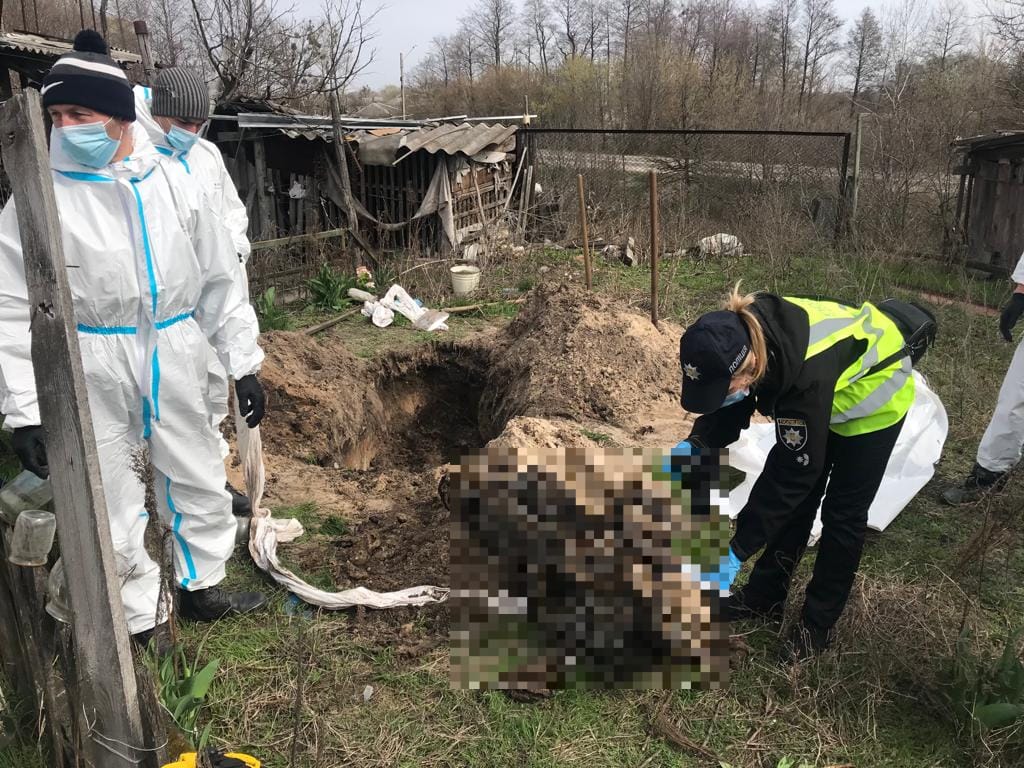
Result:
[{"x": 710, "y": 352}]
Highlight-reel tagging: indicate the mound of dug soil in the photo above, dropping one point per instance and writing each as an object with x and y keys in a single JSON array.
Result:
[{"x": 573, "y": 355}]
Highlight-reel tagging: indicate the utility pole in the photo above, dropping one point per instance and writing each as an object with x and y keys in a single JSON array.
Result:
[{"x": 401, "y": 76}]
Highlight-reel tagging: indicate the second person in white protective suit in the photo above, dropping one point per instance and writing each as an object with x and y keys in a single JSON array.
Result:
[
  {"x": 173, "y": 113},
  {"x": 154, "y": 281}
]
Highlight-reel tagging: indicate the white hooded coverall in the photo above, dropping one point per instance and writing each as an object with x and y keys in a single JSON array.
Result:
[
  {"x": 153, "y": 278},
  {"x": 204, "y": 165},
  {"x": 1000, "y": 447}
]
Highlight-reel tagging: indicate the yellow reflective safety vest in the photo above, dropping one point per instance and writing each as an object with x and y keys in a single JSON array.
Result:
[{"x": 864, "y": 401}]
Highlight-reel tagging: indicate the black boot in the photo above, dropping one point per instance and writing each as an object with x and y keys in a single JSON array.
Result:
[
  {"x": 240, "y": 504},
  {"x": 807, "y": 641},
  {"x": 739, "y": 607},
  {"x": 978, "y": 484},
  {"x": 215, "y": 603},
  {"x": 157, "y": 640}
]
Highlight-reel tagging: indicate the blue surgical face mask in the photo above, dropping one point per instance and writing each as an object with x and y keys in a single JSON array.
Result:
[
  {"x": 734, "y": 398},
  {"x": 181, "y": 139},
  {"x": 89, "y": 144}
]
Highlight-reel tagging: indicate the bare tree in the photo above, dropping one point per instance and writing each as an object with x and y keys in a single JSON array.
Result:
[
  {"x": 864, "y": 53},
  {"x": 440, "y": 45},
  {"x": 782, "y": 18},
  {"x": 568, "y": 13},
  {"x": 820, "y": 25},
  {"x": 594, "y": 28},
  {"x": 256, "y": 48},
  {"x": 947, "y": 31},
  {"x": 494, "y": 20},
  {"x": 625, "y": 20},
  {"x": 465, "y": 46},
  {"x": 537, "y": 19}
]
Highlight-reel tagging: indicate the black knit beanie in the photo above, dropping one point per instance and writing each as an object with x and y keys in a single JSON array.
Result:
[
  {"x": 89, "y": 78},
  {"x": 180, "y": 93}
]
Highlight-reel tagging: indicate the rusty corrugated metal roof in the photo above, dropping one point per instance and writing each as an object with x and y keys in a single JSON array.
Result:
[{"x": 44, "y": 45}]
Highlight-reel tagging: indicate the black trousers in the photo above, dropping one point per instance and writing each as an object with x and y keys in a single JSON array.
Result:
[{"x": 854, "y": 467}]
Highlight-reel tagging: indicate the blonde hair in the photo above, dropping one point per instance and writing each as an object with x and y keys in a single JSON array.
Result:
[{"x": 740, "y": 303}]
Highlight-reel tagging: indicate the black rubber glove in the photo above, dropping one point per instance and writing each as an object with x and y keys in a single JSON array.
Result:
[
  {"x": 29, "y": 444},
  {"x": 1011, "y": 314},
  {"x": 251, "y": 400}
]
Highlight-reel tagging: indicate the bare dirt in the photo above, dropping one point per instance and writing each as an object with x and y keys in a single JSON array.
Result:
[{"x": 362, "y": 439}]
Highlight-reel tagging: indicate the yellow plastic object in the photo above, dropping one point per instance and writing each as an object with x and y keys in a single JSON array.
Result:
[{"x": 188, "y": 760}]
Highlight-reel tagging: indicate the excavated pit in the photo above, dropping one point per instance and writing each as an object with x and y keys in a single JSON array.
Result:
[
  {"x": 431, "y": 404},
  {"x": 365, "y": 440}
]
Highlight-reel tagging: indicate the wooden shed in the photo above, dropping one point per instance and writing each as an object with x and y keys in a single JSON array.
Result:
[
  {"x": 419, "y": 184},
  {"x": 988, "y": 230}
]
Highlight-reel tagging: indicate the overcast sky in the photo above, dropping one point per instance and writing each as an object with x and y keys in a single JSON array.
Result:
[{"x": 409, "y": 25}]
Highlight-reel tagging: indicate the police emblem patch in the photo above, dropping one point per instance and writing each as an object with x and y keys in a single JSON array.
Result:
[
  {"x": 691, "y": 372},
  {"x": 792, "y": 433}
]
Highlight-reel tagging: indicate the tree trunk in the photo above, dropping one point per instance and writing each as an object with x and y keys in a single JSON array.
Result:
[{"x": 342, "y": 160}]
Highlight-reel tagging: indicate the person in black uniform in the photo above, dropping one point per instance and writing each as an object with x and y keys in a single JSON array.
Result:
[{"x": 838, "y": 383}]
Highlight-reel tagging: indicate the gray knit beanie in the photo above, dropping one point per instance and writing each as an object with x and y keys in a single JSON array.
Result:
[{"x": 179, "y": 93}]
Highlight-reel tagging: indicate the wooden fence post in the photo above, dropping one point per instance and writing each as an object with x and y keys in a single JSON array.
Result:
[
  {"x": 263, "y": 200},
  {"x": 106, "y": 676}
]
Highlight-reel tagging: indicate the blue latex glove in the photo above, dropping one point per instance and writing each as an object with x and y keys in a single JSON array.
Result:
[
  {"x": 722, "y": 579},
  {"x": 684, "y": 448}
]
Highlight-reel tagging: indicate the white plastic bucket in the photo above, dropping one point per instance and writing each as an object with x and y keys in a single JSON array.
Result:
[{"x": 465, "y": 279}]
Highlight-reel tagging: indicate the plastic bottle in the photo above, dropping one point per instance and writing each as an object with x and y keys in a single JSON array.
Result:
[{"x": 26, "y": 491}]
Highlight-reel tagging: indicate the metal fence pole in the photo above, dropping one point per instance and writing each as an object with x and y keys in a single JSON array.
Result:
[
  {"x": 855, "y": 192},
  {"x": 655, "y": 246},
  {"x": 844, "y": 169},
  {"x": 583, "y": 228}
]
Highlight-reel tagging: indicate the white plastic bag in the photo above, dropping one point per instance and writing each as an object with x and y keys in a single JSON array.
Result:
[
  {"x": 910, "y": 467},
  {"x": 399, "y": 300},
  {"x": 721, "y": 244},
  {"x": 380, "y": 315}
]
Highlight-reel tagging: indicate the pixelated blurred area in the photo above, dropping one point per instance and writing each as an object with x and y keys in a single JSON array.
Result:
[{"x": 577, "y": 568}]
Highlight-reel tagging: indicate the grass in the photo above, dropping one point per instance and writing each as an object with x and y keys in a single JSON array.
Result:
[{"x": 875, "y": 704}]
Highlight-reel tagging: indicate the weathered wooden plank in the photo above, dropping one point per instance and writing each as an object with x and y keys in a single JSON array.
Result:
[
  {"x": 262, "y": 202},
  {"x": 283, "y": 242},
  {"x": 104, "y": 661}
]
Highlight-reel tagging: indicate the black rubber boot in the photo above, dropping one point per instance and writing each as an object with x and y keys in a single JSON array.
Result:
[
  {"x": 156, "y": 640},
  {"x": 215, "y": 603},
  {"x": 736, "y": 607},
  {"x": 240, "y": 504},
  {"x": 978, "y": 484}
]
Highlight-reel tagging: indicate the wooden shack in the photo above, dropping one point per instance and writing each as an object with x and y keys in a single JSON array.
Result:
[
  {"x": 427, "y": 185},
  {"x": 988, "y": 229},
  {"x": 431, "y": 187}
]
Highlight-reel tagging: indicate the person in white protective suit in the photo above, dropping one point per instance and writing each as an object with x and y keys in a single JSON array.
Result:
[
  {"x": 153, "y": 278},
  {"x": 173, "y": 113},
  {"x": 1000, "y": 447}
]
